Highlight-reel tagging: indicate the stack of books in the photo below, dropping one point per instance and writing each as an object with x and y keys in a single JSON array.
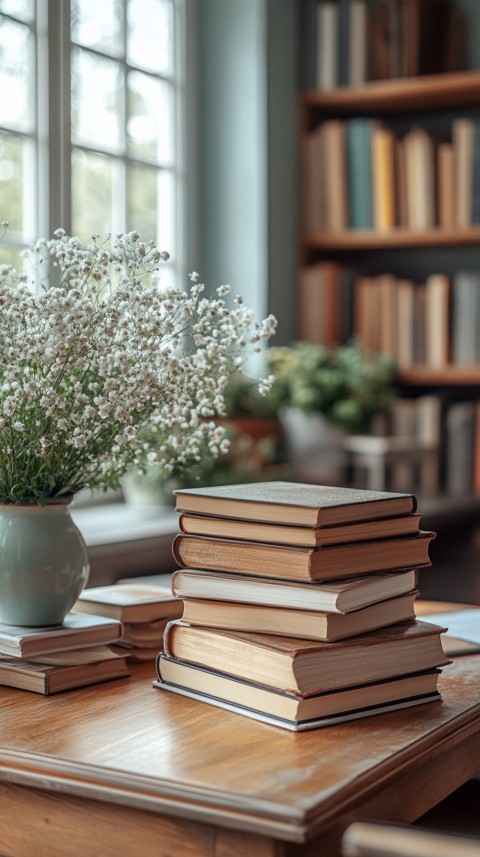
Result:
[
  {"x": 61, "y": 657},
  {"x": 143, "y": 609},
  {"x": 299, "y": 603}
]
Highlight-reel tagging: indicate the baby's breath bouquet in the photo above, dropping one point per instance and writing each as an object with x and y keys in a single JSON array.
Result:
[{"x": 93, "y": 351}]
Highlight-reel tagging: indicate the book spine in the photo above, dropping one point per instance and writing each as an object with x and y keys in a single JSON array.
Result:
[
  {"x": 383, "y": 178},
  {"x": 446, "y": 185},
  {"x": 463, "y": 134},
  {"x": 327, "y": 44},
  {"x": 357, "y": 59},
  {"x": 344, "y": 36},
  {"x": 359, "y": 167},
  {"x": 309, "y": 21},
  {"x": 167, "y": 634},
  {"x": 177, "y": 550},
  {"x": 437, "y": 331},
  {"x": 335, "y": 175},
  {"x": 475, "y": 217}
]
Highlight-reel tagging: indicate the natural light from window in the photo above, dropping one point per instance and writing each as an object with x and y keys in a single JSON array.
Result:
[{"x": 106, "y": 130}]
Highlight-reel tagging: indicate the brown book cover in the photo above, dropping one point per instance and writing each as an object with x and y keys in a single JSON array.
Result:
[
  {"x": 294, "y": 503},
  {"x": 367, "y": 316},
  {"x": 438, "y": 317},
  {"x": 299, "y": 563},
  {"x": 130, "y": 602},
  {"x": 383, "y": 173},
  {"x": 309, "y": 624},
  {"x": 305, "y": 667},
  {"x": 336, "y": 596},
  {"x": 446, "y": 185},
  {"x": 405, "y": 296},
  {"x": 359, "y": 531},
  {"x": 420, "y": 179},
  {"x": 50, "y": 678},
  {"x": 463, "y": 131},
  {"x": 335, "y": 175},
  {"x": 318, "y": 304},
  {"x": 388, "y": 320},
  {"x": 77, "y": 631},
  {"x": 290, "y": 706}
]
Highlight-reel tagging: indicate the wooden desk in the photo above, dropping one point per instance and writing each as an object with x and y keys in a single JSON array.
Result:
[{"x": 125, "y": 770}]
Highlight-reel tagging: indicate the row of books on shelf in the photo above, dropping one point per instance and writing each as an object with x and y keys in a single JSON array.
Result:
[
  {"x": 434, "y": 323},
  {"x": 349, "y": 42},
  {"x": 299, "y": 604},
  {"x": 362, "y": 174}
]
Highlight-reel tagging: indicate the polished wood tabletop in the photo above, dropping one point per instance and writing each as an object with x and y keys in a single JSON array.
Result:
[{"x": 123, "y": 769}]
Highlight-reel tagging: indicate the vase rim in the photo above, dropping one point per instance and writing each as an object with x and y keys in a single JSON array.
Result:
[{"x": 31, "y": 502}]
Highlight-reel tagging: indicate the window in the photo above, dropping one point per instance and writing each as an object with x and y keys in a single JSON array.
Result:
[{"x": 90, "y": 120}]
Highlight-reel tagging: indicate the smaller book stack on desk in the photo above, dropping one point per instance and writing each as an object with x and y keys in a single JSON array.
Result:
[
  {"x": 61, "y": 657},
  {"x": 143, "y": 610},
  {"x": 299, "y": 603}
]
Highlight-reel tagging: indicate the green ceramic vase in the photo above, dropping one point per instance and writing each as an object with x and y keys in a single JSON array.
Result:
[{"x": 43, "y": 564}]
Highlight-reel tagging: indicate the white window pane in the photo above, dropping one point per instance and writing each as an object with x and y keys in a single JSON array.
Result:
[
  {"x": 18, "y": 8},
  {"x": 10, "y": 254},
  {"x": 166, "y": 212},
  {"x": 95, "y": 184},
  {"x": 98, "y": 24},
  {"x": 150, "y": 35},
  {"x": 17, "y": 186},
  {"x": 151, "y": 205},
  {"x": 16, "y": 75},
  {"x": 96, "y": 101},
  {"x": 150, "y": 118}
]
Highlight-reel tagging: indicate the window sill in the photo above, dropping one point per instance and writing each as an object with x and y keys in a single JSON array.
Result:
[{"x": 127, "y": 540}]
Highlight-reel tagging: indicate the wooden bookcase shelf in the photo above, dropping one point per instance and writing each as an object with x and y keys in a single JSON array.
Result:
[
  {"x": 431, "y": 93},
  {"x": 449, "y": 376},
  {"x": 337, "y": 240},
  {"x": 394, "y": 239}
]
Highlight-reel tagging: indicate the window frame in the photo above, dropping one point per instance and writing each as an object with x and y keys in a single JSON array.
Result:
[{"x": 52, "y": 135}]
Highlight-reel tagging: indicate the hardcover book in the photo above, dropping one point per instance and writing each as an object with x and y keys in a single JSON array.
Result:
[
  {"x": 231, "y": 528},
  {"x": 130, "y": 602},
  {"x": 77, "y": 631},
  {"x": 294, "y": 503},
  {"x": 308, "y": 624},
  {"x": 305, "y": 667},
  {"x": 289, "y": 706},
  {"x": 336, "y": 596},
  {"x": 53, "y": 675},
  {"x": 300, "y": 563}
]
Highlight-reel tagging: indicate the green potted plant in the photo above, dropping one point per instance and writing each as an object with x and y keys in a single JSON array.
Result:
[{"x": 322, "y": 394}]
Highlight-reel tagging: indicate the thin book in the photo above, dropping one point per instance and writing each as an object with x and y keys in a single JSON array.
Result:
[
  {"x": 336, "y": 596},
  {"x": 289, "y": 562},
  {"x": 130, "y": 602},
  {"x": 53, "y": 675},
  {"x": 289, "y": 706},
  {"x": 294, "y": 503},
  {"x": 230, "y": 528},
  {"x": 288, "y": 711},
  {"x": 307, "y": 624},
  {"x": 306, "y": 667},
  {"x": 77, "y": 631}
]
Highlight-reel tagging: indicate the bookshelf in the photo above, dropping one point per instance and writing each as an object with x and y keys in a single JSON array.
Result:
[{"x": 396, "y": 214}]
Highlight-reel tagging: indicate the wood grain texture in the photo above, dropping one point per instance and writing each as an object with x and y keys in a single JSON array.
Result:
[
  {"x": 125, "y": 750},
  {"x": 428, "y": 92}
]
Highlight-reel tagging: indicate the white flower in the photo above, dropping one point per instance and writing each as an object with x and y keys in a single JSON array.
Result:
[{"x": 107, "y": 357}]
